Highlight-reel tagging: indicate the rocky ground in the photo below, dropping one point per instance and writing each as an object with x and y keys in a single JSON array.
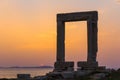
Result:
[{"x": 114, "y": 75}]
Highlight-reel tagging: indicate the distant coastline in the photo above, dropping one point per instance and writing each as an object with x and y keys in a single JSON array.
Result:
[{"x": 28, "y": 67}]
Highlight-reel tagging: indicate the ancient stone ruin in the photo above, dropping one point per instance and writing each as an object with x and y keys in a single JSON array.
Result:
[
  {"x": 84, "y": 67},
  {"x": 91, "y": 18}
]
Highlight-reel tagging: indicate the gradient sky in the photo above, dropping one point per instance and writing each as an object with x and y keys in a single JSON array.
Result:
[{"x": 28, "y": 31}]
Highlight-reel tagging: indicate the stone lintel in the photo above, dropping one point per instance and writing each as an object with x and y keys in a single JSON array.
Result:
[
  {"x": 78, "y": 16},
  {"x": 84, "y": 64}
]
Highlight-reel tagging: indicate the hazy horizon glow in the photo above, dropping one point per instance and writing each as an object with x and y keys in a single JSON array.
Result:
[{"x": 28, "y": 31}]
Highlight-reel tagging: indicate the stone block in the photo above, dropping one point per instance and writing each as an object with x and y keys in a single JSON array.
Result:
[
  {"x": 84, "y": 64},
  {"x": 40, "y": 78},
  {"x": 98, "y": 76},
  {"x": 101, "y": 68},
  {"x": 68, "y": 75},
  {"x": 81, "y": 73},
  {"x": 64, "y": 66}
]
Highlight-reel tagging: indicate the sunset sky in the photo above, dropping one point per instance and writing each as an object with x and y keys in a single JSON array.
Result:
[{"x": 28, "y": 31}]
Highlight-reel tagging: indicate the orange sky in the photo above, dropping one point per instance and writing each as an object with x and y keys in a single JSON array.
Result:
[{"x": 28, "y": 31}]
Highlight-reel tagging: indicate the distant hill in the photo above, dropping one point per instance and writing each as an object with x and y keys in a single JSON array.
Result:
[{"x": 28, "y": 67}]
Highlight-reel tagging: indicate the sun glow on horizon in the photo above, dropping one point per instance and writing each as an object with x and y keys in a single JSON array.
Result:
[{"x": 28, "y": 31}]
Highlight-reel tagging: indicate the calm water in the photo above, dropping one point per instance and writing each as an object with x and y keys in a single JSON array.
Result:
[{"x": 12, "y": 72}]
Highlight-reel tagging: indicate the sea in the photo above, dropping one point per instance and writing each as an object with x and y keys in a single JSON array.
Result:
[{"x": 12, "y": 72}]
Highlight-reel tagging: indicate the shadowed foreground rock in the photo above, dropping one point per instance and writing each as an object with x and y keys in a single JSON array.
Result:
[{"x": 114, "y": 75}]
